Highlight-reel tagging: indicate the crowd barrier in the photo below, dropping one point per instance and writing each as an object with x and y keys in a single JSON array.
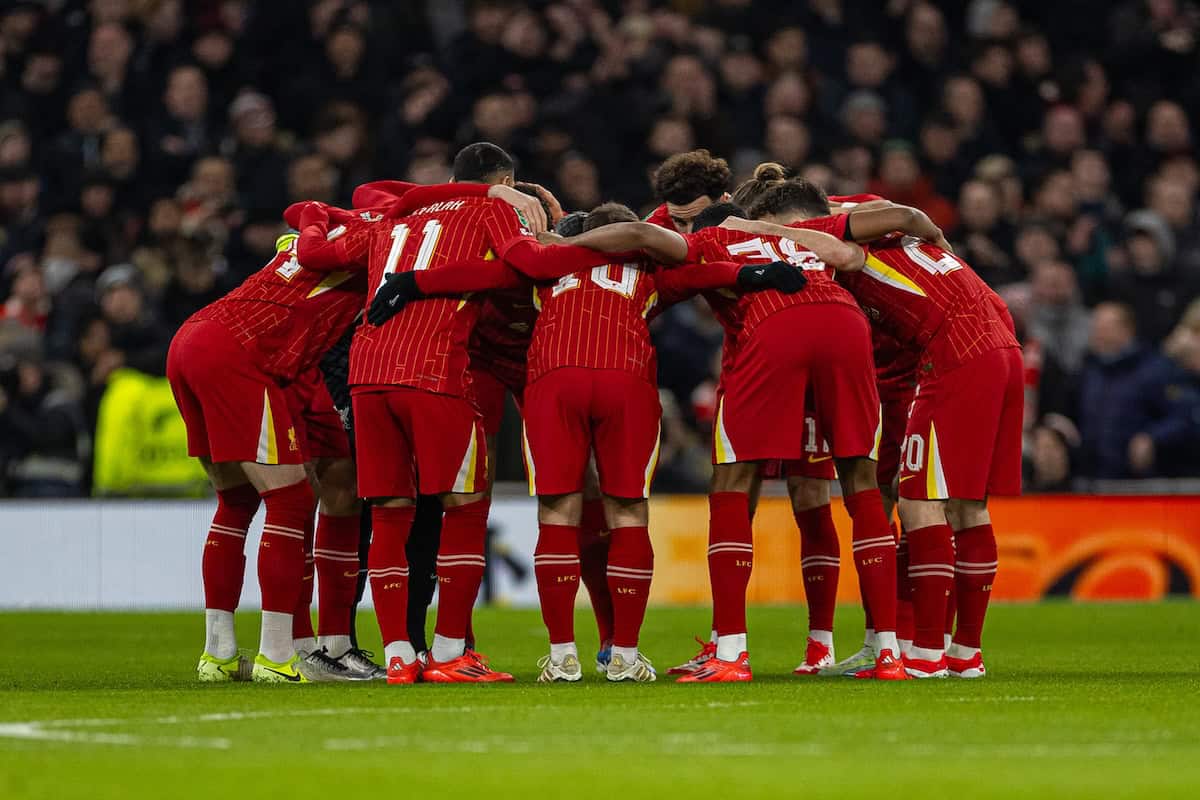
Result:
[{"x": 106, "y": 554}]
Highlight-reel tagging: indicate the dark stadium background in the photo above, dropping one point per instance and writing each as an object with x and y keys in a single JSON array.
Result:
[{"x": 148, "y": 147}]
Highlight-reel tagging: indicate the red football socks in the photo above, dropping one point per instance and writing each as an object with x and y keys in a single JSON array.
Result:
[
  {"x": 387, "y": 569},
  {"x": 974, "y": 574},
  {"x": 224, "y": 564},
  {"x": 556, "y": 568},
  {"x": 302, "y": 625},
  {"x": 460, "y": 566},
  {"x": 904, "y": 606},
  {"x": 874, "y": 557},
  {"x": 931, "y": 570},
  {"x": 730, "y": 559},
  {"x": 593, "y": 565},
  {"x": 630, "y": 568},
  {"x": 336, "y": 556},
  {"x": 281, "y": 550},
  {"x": 819, "y": 564}
]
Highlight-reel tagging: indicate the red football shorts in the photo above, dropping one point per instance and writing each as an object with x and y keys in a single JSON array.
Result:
[
  {"x": 894, "y": 408},
  {"x": 409, "y": 440},
  {"x": 232, "y": 409},
  {"x": 761, "y": 412},
  {"x": 817, "y": 463},
  {"x": 488, "y": 390},
  {"x": 318, "y": 425},
  {"x": 572, "y": 412},
  {"x": 964, "y": 434}
]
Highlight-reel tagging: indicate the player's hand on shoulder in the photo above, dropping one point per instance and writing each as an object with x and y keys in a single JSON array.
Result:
[
  {"x": 737, "y": 224},
  {"x": 775, "y": 275},
  {"x": 550, "y": 237},
  {"x": 529, "y": 207},
  {"x": 398, "y": 289}
]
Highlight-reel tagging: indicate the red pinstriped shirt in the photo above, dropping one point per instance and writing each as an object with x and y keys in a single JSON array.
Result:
[
  {"x": 597, "y": 319},
  {"x": 425, "y": 345},
  {"x": 929, "y": 299},
  {"x": 739, "y": 313},
  {"x": 287, "y": 315}
]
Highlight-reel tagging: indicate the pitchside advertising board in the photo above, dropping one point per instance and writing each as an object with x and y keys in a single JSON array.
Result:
[{"x": 146, "y": 554}]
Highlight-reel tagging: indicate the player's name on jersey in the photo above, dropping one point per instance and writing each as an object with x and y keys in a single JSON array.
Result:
[{"x": 447, "y": 205}]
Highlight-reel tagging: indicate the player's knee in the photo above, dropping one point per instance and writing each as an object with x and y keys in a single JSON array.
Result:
[
  {"x": 916, "y": 514},
  {"x": 624, "y": 512},
  {"x": 962, "y": 514},
  {"x": 856, "y": 475},
  {"x": 808, "y": 493},
  {"x": 560, "y": 509},
  {"x": 737, "y": 477}
]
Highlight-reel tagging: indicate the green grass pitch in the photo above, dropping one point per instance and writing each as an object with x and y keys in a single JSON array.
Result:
[{"x": 1082, "y": 701}]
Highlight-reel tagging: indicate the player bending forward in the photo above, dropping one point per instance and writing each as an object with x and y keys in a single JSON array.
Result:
[
  {"x": 963, "y": 438},
  {"x": 416, "y": 427},
  {"x": 243, "y": 371}
]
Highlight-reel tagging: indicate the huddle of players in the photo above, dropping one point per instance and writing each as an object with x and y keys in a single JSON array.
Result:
[{"x": 450, "y": 274}]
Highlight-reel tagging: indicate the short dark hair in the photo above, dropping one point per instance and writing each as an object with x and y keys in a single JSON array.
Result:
[
  {"x": 607, "y": 214},
  {"x": 686, "y": 176},
  {"x": 571, "y": 224},
  {"x": 795, "y": 194},
  {"x": 480, "y": 162},
  {"x": 716, "y": 214}
]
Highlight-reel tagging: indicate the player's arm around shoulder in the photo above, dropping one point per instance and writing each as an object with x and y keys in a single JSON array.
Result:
[
  {"x": 867, "y": 225},
  {"x": 840, "y": 255},
  {"x": 666, "y": 246}
]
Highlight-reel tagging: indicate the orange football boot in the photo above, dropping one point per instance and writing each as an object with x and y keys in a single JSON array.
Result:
[
  {"x": 398, "y": 672},
  {"x": 470, "y": 667},
  {"x": 717, "y": 671}
]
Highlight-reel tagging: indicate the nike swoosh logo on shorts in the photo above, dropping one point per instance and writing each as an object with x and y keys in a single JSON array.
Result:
[
  {"x": 903, "y": 478},
  {"x": 815, "y": 460}
]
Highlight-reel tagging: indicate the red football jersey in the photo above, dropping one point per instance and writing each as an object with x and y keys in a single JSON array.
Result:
[
  {"x": 500, "y": 342},
  {"x": 596, "y": 318},
  {"x": 930, "y": 299},
  {"x": 739, "y": 312},
  {"x": 425, "y": 345},
  {"x": 287, "y": 315}
]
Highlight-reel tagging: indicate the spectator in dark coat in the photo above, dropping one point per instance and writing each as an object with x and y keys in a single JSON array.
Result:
[
  {"x": 139, "y": 340},
  {"x": 1149, "y": 283},
  {"x": 1130, "y": 407}
]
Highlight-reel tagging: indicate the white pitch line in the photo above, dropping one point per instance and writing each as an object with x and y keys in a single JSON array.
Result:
[
  {"x": 60, "y": 730},
  {"x": 33, "y": 731}
]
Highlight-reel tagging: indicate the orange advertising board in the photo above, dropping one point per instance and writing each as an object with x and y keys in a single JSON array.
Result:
[{"x": 1079, "y": 546}]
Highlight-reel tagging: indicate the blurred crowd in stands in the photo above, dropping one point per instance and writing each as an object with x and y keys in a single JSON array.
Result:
[{"x": 147, "y": 148}]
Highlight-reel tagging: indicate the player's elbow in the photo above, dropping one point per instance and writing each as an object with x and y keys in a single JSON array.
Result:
[{"x": 848, "y": 258}]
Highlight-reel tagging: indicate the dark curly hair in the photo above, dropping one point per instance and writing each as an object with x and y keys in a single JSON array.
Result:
[{"x": 685, "y": 176}]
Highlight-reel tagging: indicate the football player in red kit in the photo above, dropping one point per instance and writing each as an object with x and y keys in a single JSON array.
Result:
[
  {"x": 417, "y": 428},
  {"x": 963, "y": 437},
  {"x": 243, "y": 373},
  {"x": 762, "y": 366},
  {"x": 592, "y": 370},
  {"x": 688, "y": 183}
]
